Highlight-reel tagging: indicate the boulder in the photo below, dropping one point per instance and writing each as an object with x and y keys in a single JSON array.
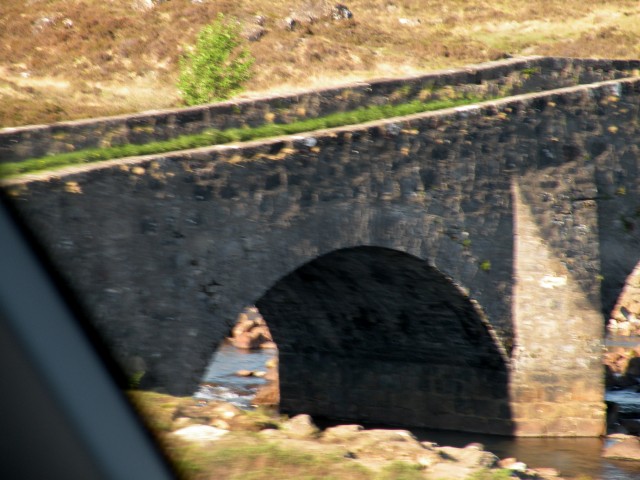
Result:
[
  {"x": 315, "y": 11},
  {"x": 341, "y": 433},
  {"x": 268, "y": 395},
  {"x": 243, "y": 324},
  {"x": 253, "y": 33},
  {"x": 626, "y": 449},
  {"x": 263, "y": 331},
  {"x": 341, "y": 12},
  {"x": 472, "y": 456},
  {"x": 546, "y": 473},
  {"x": 226, "y": 411},
  {"x": 300, "y": 427},
  {"x": 506, "y": 462},
  {"x": 271, "y": 375},
  {"x": 462, "y": 462},
  {"x": 247, "y": 341},
  {"x": 374, "y": 437},
  {"x": 206, "y": 413},
  {"x": 272, "y": 362},
  {"x": 387, "y": 445},
  {"x": 251, "y": 332}
]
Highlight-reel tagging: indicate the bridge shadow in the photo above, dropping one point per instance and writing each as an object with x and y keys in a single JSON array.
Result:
[{"x": 375, "y": 335}]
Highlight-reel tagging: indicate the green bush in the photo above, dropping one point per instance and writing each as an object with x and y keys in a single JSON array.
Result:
[{"x": 217, "y": 67}]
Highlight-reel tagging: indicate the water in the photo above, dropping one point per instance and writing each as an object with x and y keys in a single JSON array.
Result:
[
  {"x": 570, "y": 456},
  {"x": 622, "y": 341},
  {"x": 220, "y": 382},
  {"x": 628, "y": 400}
]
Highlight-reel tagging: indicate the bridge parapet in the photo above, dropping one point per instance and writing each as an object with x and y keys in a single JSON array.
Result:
[{"x": 484, "y": 81}]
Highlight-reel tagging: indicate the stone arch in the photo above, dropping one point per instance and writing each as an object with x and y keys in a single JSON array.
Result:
[{"x": 375, "y": 335}]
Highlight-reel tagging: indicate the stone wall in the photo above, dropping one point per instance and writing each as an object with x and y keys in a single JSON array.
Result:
[
  {"x": 522, "y": 203},
  {"x": 490, "y": 80}
]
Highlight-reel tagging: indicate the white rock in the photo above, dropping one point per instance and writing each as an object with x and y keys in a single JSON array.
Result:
[
  {"x": 409, "y": 22},
  {"x": 200, "y": 433},
  {"x": 310, "y": 142},
  {"x": 553, "y": 281},
  {"x": 518, "y": 467}
]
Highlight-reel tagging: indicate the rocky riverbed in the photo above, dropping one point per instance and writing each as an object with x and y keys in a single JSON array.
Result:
[
  {"x": 252, "y": 337},
  {"x": 621, "y": 376},
  {"x": 204, "y": 426}
]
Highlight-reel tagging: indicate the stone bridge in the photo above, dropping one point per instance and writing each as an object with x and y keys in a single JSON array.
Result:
[{"x": 451, "y": 269}]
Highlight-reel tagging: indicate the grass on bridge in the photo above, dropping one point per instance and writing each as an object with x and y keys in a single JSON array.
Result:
[{"x": 217, "y": 137}]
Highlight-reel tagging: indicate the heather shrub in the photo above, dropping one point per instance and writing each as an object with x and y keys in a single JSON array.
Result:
[{"x": 218, "y": 65}]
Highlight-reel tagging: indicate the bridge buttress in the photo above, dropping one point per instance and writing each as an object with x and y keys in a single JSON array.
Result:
[{"x": 556, "y": 384}]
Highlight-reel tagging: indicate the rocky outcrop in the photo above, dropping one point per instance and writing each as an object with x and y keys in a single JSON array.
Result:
[
  {"x": 254, "y": 30},
  {"x": 378, "y": 446},
  {"x": 200, "y": 433},
  {"x": 313, "y": 11},
  {"x": 625, "y": 315},
  {"x": 300, "y": 427},
  {"x": 269, "y": 394},
  {"x": 375, "y": 448},
  {"x": 251, "y": 331},
  {"x": 622, "y": 367},
  {"x": 200, "y": 422}
]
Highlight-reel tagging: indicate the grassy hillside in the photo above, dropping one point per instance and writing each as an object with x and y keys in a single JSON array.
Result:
[{"x": 68, "y": 59}]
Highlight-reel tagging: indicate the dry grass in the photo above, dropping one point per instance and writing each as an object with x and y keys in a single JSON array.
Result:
[
  {"x": 241, "y": 454},
  {"x": 67, "y": 59}
]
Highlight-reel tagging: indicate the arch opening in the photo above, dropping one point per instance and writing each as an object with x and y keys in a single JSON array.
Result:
[
  {"x": 243, "y": 368},
  {"x": 622, "y": 349},
  {"x": 375, "y": 335},
  {"x": 624, "y": 318}
]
